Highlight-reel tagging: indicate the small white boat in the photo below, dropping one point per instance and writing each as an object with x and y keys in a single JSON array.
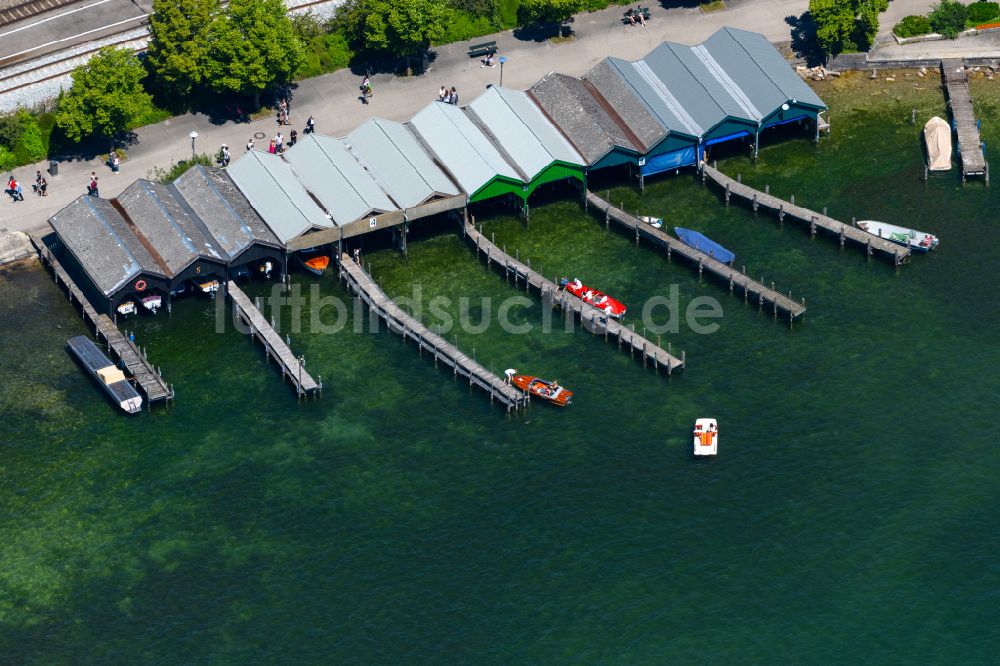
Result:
[
  {"x": 655, "y": 222},
  {"x": 126, "y": 308},
  {"x": 918, "y": 241},
  {"x": 152, "y": 303},
  {"x": 209, "y": 286},
  {"x": 706, "y": 437}
]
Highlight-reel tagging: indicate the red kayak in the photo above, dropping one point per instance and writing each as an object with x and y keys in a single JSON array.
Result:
[{"x": 602, "y": 302}]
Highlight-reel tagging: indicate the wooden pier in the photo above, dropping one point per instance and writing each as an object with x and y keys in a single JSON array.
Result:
[
  {"x": 593, "y": 319},
  {"x": 970, "y": 145},
  {"x": 292, "y": 367},
  {"x": 130, "y": 355},
  {"x": 756, "y": 198},
  {"x": 399, "y": 321},
  {"x": 775, "y": 300}
]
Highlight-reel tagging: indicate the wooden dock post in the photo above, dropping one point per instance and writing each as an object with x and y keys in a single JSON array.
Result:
[
  {"x": 727, "y": 194},
  {"x": 754, "y": 202},
  {"x": 781, "y": 214}
]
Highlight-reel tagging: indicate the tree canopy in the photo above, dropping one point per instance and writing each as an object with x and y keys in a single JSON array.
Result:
[
  {"x": 251, "y": 44},
  {"x": 179, "y": 44},
  {"x": 846, "y": 25},
  {"x": 547, "y": 11},
  {"x": 399, "y": 27},
  {"x": 106, "y": 98}
]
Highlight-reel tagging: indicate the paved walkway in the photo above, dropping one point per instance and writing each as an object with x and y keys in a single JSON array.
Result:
[{"x": 332, "y": 98}]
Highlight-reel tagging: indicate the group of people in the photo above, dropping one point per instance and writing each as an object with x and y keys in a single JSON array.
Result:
[
  {"x": 637, "y": 16},
  {"x": 92, "y": 185},
  {"x": 448, "y": 96},
  {"x": 283, "y": 109}
]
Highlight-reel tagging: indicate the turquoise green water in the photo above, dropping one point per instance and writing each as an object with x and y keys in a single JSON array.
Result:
[{"x": 850, "y": 516}]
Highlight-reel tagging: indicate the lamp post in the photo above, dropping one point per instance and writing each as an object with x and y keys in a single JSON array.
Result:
[
  {"x": 193, "y": 135},
  {"x": 503, "y": 59}
]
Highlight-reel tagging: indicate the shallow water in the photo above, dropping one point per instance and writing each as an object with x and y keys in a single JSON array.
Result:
[{"x": 850, "y": 515}]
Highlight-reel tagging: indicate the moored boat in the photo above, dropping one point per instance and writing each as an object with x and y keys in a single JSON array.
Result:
[
  {"x": 918, "y": 241},
  {"x": 111, "y": 379},
  {"x": 208, "y": 286},
  {"x": 937, "y": 137},
  {"x": 705, "y": 244},
  {"x": 706, "y": 437},
  {"x": 126, "y": 307},
  {"x": 606, "y": 304},
  {"x": 542, "y": 388},
  {"x": 152, "y": 302},
  {"x": 314, "y": 262},
  {"x": 655, "y": 222}
]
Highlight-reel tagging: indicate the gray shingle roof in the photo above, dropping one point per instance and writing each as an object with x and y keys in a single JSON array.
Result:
[
  {"x": 607, "y": 80},
  {"x": 178, "y": 237},
  {"x": 461, "y": 146},
  {"x": 225, "y": 213},
  {"x": 100, "y": 239},
  {"x": 328, "y": 169},
  {"x": 277, "y": 196},
  {"x": 581, "y": 118},
  {"x": 399, "y": 163}
]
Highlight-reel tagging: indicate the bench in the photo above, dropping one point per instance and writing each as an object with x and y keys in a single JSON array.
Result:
[{"x": 485, "y": 48}]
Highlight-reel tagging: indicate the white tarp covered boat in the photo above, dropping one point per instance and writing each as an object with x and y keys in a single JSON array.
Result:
[{"x": 937, "y": 136}]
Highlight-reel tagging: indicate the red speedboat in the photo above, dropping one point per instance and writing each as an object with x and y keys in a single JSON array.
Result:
[
  {"x": 541, "y": 388},
  {"x": 603, "y": 302}
]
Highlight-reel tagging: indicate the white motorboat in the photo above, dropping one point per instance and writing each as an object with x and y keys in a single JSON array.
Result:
[
  {"x": 918, "y": 241},
  {"x": 152, "y": 303},
  {"x": 706, "y": 437},
  {"x": 655, "y": 222},
  {"x": 126, "y": 307}
]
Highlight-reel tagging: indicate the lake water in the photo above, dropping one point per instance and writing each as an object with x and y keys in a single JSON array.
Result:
[{"x": 850, "y": 516}]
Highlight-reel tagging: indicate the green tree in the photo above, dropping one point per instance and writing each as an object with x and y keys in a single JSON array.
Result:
[
  {"x": 252, "y": 45},
  {"x": 843, "y": 25},
  {"x": 547, "y": 11},
  {"x": 399, "y": 27},
  {"x": 948, "y": 18},
  {"x": 106, "y": 98},
  {"x": 179, "y": 44},
  {"x": 30, "y": 146}
]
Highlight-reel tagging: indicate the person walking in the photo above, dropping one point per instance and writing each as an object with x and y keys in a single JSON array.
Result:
[
  {"x": 279, "y": 143},
  {"x": 270, "y": 147},
  {"x": 115, "y": 163},
  {"x": 453, "y": 96},
  {"x": 292, "y": 138},
  {"x": 43, "y": 187},
  {"x": 366, "y": 89},
  {"x": 311, "y": 125},
  {"x": 225, "y": 155},
  {"x": 92, "y": 188},
  {"x": 443, "y": 94},
  {"x": 37, "y": 187},
  {"x": 250, "y": 144}
]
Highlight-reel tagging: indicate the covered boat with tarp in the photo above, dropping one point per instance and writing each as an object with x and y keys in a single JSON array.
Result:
[
  {"x": 937, "y": 136},
  {"x": 702, "y": 242}
]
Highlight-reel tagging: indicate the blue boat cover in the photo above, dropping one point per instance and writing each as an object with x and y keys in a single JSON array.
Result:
[
  {"x": 672, "y": 160},
  {"x": 707, "y": 245}
]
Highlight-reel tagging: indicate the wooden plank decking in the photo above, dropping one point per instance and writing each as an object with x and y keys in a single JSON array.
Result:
[
  {"x": 401, "y": 322},
  {"x": 970, "y": 144},
  {"x": 764, "y": 295},
  {"x": 594, "y": 320},
  {"x": 756, "y": 198},
  {"x": 148, "y": 378},
  {"x": 292, "y": 366}
]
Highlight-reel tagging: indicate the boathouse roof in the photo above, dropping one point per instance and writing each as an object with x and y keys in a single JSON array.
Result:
[
  {"x": 461, "y": 147},
  {"x": 176, "y": 234},
  {"x": 279, "y": 198},
  {"x": 581, "y": 117},
  {"x": 223, "y": 209},
  {"x": 519, "y": 129},
  {"x": 103, "y": 244},
  {"x": 327, "y": 169},
  {"x": 610, "y": 87},
  {"x": 391, "y": 152}
]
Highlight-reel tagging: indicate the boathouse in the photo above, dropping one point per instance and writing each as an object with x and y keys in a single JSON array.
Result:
[
  {"x": 229, "y": 218},
  {"x": 526, "y": 138},
  {"x": 96, "y": 240},
  {"x": 466, "y": 153}
]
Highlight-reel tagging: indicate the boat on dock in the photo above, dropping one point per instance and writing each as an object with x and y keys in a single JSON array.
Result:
[
  {"x": 703, "y": 243},
  {"x": 918, "y": 241},
  {"x": 937, "y": 136},
  {"x": 606, "y": 304},
  {"x": 314, "y": 262},
  {"x": 655, "y": 222},
  {"x": 111, "y": 379},
  {"x": 541, "y": 388},
  {"x": 706, "y": 437}
]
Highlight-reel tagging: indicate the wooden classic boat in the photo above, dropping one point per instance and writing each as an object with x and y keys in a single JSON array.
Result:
[
  {"x": 706, "y": 437},
  {"x": 541, "y": 388},
  {"x": 918, "y": 241},
  {"x": 111, "y": 379},
  {"x": 603, "y": 302},
  {"x": 314, "y": 262}
]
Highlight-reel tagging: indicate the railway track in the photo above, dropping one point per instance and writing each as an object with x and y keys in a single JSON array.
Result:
[{"x": 24, "y": 10}]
